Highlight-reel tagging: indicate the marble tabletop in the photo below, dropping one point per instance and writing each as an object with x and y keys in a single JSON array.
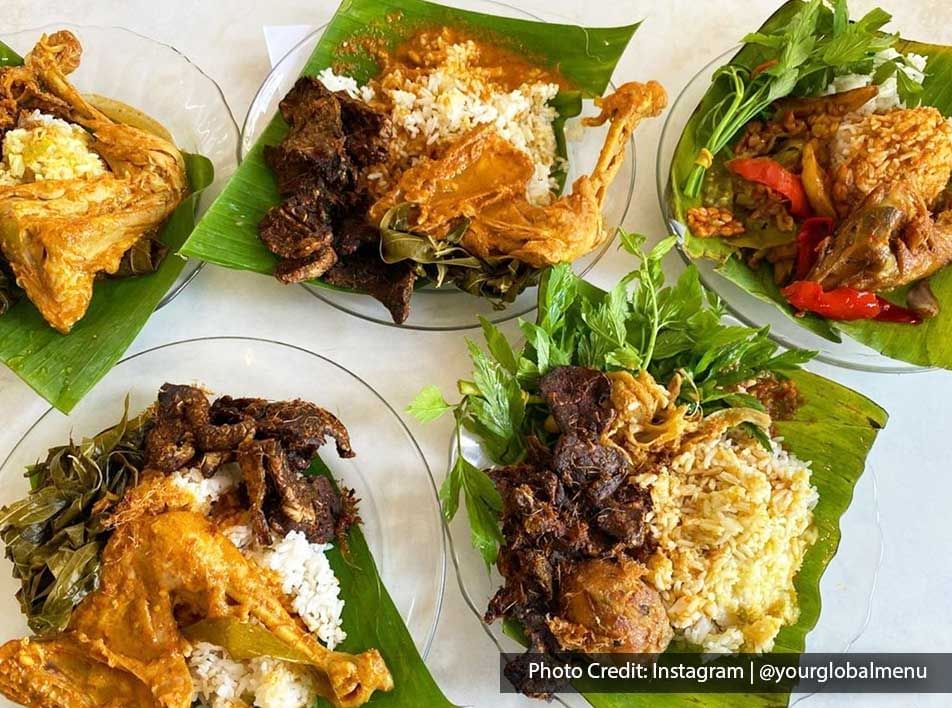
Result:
[{"x": 909, "y": 609}]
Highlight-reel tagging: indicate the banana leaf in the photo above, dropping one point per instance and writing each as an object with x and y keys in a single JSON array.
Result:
[
  {"x": 227, "y": 235},
  {"x": 372, "y": 620},
  {"x": 927, "y": 344},
  {"x": 834, "y": 429}
]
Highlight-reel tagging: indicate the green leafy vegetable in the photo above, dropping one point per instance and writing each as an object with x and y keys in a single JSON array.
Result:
[
  {"x": 54, "y": 536},
  {"x": 642, "y": 323},
  {"x": 227, "y": 235},
  {"x": 800, "y": 55},
  {"x": 501, "y": 279},
  {"x": 145, "y": 256}
]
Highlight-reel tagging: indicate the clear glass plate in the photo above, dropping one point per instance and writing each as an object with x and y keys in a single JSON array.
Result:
[
  {"x": 163, "y": 83},
  {"x": 750, "y": 310},
  {"x": 846, "y": 587},
  {"x": 398, "y": 504},
  {"x": 446, "y": 308}
]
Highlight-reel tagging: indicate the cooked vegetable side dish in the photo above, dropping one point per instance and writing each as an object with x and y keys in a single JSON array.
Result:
[
  {"x": 180, "y": 558},
  {"x": 85, "y": 184},
  {"x": 443, "y": 168},
  {"x": 820, "y": 163},
  {"x": 641, "y": 465}
]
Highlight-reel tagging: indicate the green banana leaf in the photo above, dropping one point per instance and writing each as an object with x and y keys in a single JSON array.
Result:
[
  {"x": 63, "y": 368},
  {"x": 227, "y": 234},
  {"x": 834, "y": 429},
  {"x": 927, "y": 344},
  {"x": 371, "y": 620}
]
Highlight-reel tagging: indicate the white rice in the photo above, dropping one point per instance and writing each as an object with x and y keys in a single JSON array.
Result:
[
  {"x": 443, "y": 104},
  {"x": 912, "y": 65},
  {"x": 206, "y": 490},
  {"x": 221, "y": 682},
  {"x": 337, "y": 82},
  {"x": 306, "y": 577},
  {"x": 42, "y": 147}
]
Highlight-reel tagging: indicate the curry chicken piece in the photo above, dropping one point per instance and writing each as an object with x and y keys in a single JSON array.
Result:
[
  {"x": 124, "y": 647},
  {"x": 890, "y": 240},
  {"x": 483, "y": 178},
  {"x": 58, "y": 235}
]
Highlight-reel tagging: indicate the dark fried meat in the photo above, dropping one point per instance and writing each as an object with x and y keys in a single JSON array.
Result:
[
  {"x": 321, "y": 231},
  {"x": 563, "y": 512},
  {"x": 579, "y": 398},
  {"x": 297, "y": 270},
  {"x": 300, "y": 426},
  {"x": 284, "y": 499},
  {"x": 298, "y": 227},
  {"x": 392, "y": 285},
  {"x": 273, "y": 442},
  {"x": 182, "y": 430}
]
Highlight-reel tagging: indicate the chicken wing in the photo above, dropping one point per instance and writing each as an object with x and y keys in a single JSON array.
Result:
[
  {"x": 483, "y": 178},
  {"x": 58, "y": 235}
]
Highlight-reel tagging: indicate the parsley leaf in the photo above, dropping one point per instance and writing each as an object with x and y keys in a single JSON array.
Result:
[{"x": 428, "y": 405}]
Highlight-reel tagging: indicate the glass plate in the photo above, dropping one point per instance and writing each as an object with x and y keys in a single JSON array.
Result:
[
  {"x": 750, "y": 310},
  {"x": 447, "y": 308},
  {"x": 389, "y": 473},
  {"x": 846, "y": 586},
  {"x": 163, "y": 83}
]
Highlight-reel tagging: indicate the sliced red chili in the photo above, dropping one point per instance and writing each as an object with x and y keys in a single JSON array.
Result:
[
  {"x": 769, "y": 172},
  {"x": 811, "y": 234},
  {"x": 891, "y": 312},
  {"x": 846, "y": 303},
  {"x": 836, "y": 304}
]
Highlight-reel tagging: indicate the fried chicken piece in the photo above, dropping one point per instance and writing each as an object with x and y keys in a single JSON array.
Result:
[
  {"x": 608, "y": 607},
  {"x": 61, "y": 673},
  {"x": 58, "y": 235},
  {"x": 483, "y": 178},
  {"x": 889, "y": 241},
  {"x": 154, "y": 569}
]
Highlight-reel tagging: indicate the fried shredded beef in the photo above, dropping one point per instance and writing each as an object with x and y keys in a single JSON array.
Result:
[
  {"x": 272, "y": 442},
  {"x": 562, "y": 510},
  {"x": 320, "y": 230}
]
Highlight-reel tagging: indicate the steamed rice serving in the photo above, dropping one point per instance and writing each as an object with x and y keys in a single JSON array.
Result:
[
  {"x": 305, "y": 576},
  {"x": 731, "y": 520}
]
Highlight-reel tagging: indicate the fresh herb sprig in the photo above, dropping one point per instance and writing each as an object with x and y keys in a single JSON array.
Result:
[
  {"x": 800, "y": 58},
  {"x": 640, "y": 324}
]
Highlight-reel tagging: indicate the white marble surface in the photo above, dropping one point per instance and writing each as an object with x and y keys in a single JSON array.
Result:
[{"x": 910, "y": 610}]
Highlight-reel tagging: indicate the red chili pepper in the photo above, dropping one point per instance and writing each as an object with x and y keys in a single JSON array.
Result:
[
  {"x": 891, "y": 312},
  {"x": 846, "y": 303},
  {"x": 771, "y": 173},
  {"x": 836, "y": 304},
  {"x": 761, "y": 68},
  {"x": 812, "y": 232}
]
